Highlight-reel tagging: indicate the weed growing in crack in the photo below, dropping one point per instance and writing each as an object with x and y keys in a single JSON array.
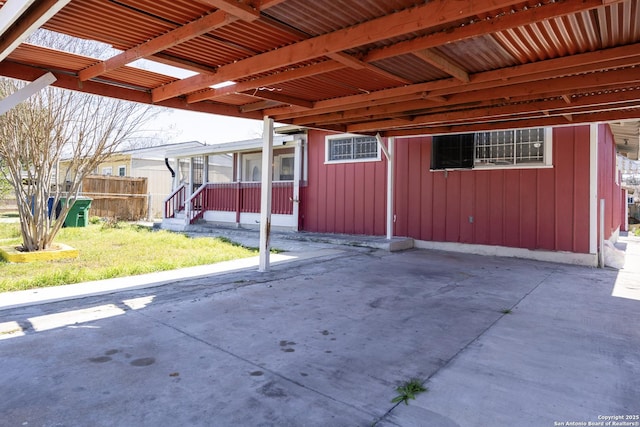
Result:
[
  {"x": 408, "y": 391},
  {"x": 506, "y": 311}
]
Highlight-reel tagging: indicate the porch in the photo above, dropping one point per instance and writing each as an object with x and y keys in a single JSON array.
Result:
[
  {"x": 222, "y": 184},
  {"x": 235, "y": 203}
]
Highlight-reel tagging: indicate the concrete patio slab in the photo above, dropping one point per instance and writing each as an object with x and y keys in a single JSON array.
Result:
[{"x": 325, "y": 342}]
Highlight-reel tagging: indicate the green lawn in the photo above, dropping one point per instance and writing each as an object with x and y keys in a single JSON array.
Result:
[{"x": 107, "y": 252}]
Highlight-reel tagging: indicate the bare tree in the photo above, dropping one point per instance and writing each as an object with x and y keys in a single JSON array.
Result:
[
  {"x": 5, "y": 184},
  {"x": 50, "y": 126}
]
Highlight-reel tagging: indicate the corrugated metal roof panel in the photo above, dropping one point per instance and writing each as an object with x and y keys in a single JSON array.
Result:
[
  {"x": 619, "y": 23},
  {"x": 40, "y": 57},
  {"x": 68, "y": 62},
  {"x": 207, "y": 51},
  {"x": 125, "y": 24},
  {"x": 321, "y": 17},
  {"x": 330, "y": 85},
  {"x": 257, "y": 36},
  {"x": 175, "y": 11},
  {"x": 107, "y": 22},
  {"x": 608, "y": 26},
  {"x": 477, "y": 55},
  {"x": 321, "y": 88},
  {"x": 411, "y": 68}
]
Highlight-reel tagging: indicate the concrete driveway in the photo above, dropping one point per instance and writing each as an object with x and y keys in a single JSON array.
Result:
[{"x": 325, "y": 342}]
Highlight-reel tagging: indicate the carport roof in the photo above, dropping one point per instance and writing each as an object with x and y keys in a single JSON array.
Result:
[{"x": 398, "y": 67}]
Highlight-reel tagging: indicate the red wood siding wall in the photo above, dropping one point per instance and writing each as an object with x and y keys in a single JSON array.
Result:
[
  {"x": 342, "y": 198},
  {"x": 524, "y": 208},
  {"x": 607, "y": 187}
]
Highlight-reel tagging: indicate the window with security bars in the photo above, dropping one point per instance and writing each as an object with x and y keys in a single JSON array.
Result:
[
  {"x": 352, "y": 148},
  {"x": 510, "y": 147}
]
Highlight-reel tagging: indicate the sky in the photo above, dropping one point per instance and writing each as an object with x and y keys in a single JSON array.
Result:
[
  {"x": 174, "y": 125},
  {"x": 181, "y": 126}
]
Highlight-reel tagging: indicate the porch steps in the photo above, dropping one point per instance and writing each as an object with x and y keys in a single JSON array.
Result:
[{"x": 175, "y": 224}]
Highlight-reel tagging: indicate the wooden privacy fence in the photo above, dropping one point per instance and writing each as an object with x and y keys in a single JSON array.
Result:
[{"x": 122, "y": 198}]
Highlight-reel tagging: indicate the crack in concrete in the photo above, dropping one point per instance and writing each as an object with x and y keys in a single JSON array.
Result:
[{"x": 459, "y": 352}]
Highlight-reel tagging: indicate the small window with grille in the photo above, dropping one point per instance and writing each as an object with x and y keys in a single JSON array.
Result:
[
  {"x": 510, "y": 147},
  {"x": 351, "y": 148}
]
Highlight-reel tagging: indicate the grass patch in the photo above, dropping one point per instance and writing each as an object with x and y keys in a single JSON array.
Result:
[{"x": 108, "y": 252}]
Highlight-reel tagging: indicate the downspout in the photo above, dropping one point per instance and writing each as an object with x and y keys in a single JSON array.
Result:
[{"x": 173, "y": 173}]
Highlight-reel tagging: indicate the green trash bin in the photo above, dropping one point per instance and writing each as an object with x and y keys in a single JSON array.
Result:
[{"x": 78, "y": 215}]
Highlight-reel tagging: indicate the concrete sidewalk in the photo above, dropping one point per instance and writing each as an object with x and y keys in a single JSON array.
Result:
[{"x": 325, "y": 341}]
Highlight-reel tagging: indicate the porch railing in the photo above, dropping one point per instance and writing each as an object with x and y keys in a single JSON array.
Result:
[
  {"x": 195, "y": 204},
  {"x": 175, "y": 202},
  {"x": 239, "y": 197}
]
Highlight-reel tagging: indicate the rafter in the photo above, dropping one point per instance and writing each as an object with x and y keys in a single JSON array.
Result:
[
  {"x": 442, "y": 63},
  {"x": 357, "y": 64},
  {"x": 174, "y": 61},
  {"x": 519, "y": 93},
  {"x": 398, "y": 105},
  {"x": 257, "y": 106},
  {"x": 436, "y": 12},
  {"x": 274, "y": 79},
  {"x": 603, "y": 101},
  {"x": 238, "y": 9},
  {"x": 67, "y": 81},
  {"x": 591, "y": 61},
  {"x": 602, "y": 116},
  {"x": 530, "y": 15},
  {"x": 181, "y": 34},
  {"x": 172, "y": 38},
  {"x": 281, "y": 98},
  {"x": 556, "y": 86}
]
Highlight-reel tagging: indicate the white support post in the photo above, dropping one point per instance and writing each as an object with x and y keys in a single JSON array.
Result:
[
  {"x": 149, "y": 208},
  {"x": 388, "y": 153},
  {"x": 297, "y": 177},
  {"x": 188, "y": 192},
  {"x": 390, "y": 187},
  {"x": 191, "y": 175},
  {"x": 601, "y": 259},
  {"x": 625, "y": 195},
  {"x": 265, "y": 194},
  {"x": 22, "y": 94},
  {"x": 593, "y": 189}
]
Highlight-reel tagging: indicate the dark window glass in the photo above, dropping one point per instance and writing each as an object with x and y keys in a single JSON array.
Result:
[{"x": 452, "y": 151}]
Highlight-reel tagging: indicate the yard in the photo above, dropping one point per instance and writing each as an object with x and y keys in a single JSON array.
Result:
[{"x": 113, "y": 250}]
